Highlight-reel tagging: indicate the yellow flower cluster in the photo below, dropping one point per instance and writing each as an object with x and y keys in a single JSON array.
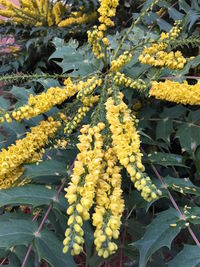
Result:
[
  {"x": 126, "y": 143},
  {"x": 81, "y": 191},
  {"x": 42, "y": 13},
  {"x": 122, "y": 60},
  {"x": 88, "y": 102},
  {"x": 83, "y": 18},
  {"x": 42, "y": 103},
  {"x": 76, "y": 120},
  {"x": 107, "y": 10},
  {"x": 173, "y": 33},
  {"x": 25, "y": 150},
  {"x": 86, "y": 88},
  {"x": 156, "y": 57},
  {"x": 121, "y": 79},
  {"x": 33, "y": 12},
  {"x": 61, "y": 144},
  {"x": 57, "y": 12},
  {"x": 181, "y": 93},
  {"x": 11, "y": 177},
  {"x": 94, "y": 39},
  {"x": 54, "y": 96},
  {"x": 109, "y": 205}
]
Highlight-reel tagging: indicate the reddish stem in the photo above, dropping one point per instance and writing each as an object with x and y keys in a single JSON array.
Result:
[
  {"x": 41, "y": 225},
  {"x": 27, "y": 255},
  {"x": 45, "y": 216},
  {"x": 174, "y": 203}
]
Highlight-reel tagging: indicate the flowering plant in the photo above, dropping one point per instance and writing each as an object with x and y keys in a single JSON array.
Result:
[{"x": 99, "y": 117}]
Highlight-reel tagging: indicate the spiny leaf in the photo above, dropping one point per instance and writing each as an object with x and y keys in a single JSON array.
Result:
[
  {"x": 74, "y": 59},
  {"x": 165, "y": 159},
  {"x": 156, "y": 237},
  {"x": 49, "y": 247},
  {"x": 182, "y": 185},
  {"x": 47, "y": 171},
  {"x": 16, "y": 232},
  {"x": 35, "y": 195},
  {"x": 188, "y": 257}
]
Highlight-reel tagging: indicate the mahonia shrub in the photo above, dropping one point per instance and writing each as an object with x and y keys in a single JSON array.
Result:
[{"x": 117, "y": 129}]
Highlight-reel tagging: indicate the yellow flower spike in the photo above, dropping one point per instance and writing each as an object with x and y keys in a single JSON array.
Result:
[
  {"x": 44, "y": 102},
  {"x": 109, "y": 205},
  {"x": 42, "y": 13},
  {"x": 157, "y": 56},
  {"x": 72, "y": 125},
  {"x": 57, "y": 11},
  {"x": 126, "y": 143},
  {"x": 94, "y": 39},
  {"x": 180, "y": 93},
  {"x": 81, "y": 191},
  {"x": 107, "y": 10},
  {"x": 121, "y": 79},
  {"x": 77, "y": 20},
  {"x": 122, "y": 60},
  {"x": 86, "y": 88},
  {"x": 25, "y": 151}
]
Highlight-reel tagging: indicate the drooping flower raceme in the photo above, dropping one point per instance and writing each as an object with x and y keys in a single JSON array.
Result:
[
  {"x": 109, "y": 205},
  {"x": 180, "y": 93},
  {"x": 25, "y": 150},
  {"x": 126, "y": 143},
  {"x": 81, "y": 191}
]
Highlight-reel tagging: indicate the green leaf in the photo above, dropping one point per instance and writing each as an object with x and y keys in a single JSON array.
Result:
[
  {"x": 22, "y": 94},
  {"x": 10, "y": 132},
  {"x": 175, "y": 14},
  {"x": 4, "y": 103},
  {"x": 165, "y": 159},
  {"x": 46, "y": 171},
  {"x": 184, "y": 6},
  {"x": 188, "y": 257},
  {"x": 16, "y": 232},
  {"x": 58, "y": 221},
  {"x": 47, "y": 83},
  {"x": 182, "y": 185},
  {"x": 89, "y": 239},
  {"x": 188, "y": 134},
  {"x": 35, "y": 195},
  {"x": 164, "y": 129},
  {"x": 158, "y": 234},
  {"x": 50, "y": 248},
  {"x": 190, "y": 64},
  {"x": 18, "y": 254},
  {"x": 74, "y": 59}
]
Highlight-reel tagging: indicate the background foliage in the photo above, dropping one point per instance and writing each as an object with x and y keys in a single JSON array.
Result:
[{"x": 170, "y": 139}]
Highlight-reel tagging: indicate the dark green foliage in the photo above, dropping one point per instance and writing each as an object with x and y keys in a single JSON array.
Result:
[{"x": 151, "y": 234}]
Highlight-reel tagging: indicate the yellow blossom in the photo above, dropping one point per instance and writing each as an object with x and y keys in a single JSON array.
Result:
[
  {"x": 107, "y": 10},
  {"x": 109, "y": 205},
  {"x": 43, "y": 102},
  {"x": 25, "y": 150},
  {"x": 121, "y": 79},
  {"x": 181, "y": 93},
  {"x": 118, "y": 63},
  {"x": 81, "y": 191},
  {"x": 126, "y": 143},
  {"x": 83, "y": 18}
]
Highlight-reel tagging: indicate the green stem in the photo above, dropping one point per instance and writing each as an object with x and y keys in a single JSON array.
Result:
[{"x": 133, "y": 25}]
